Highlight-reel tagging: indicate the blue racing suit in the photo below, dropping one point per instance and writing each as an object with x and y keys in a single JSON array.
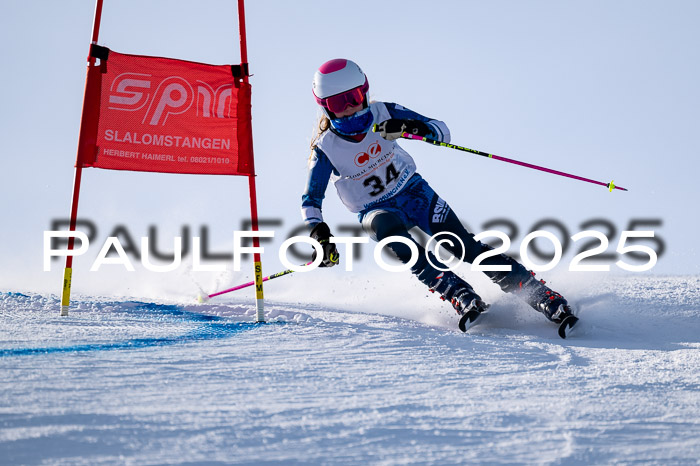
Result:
[{"x": 377, "y": 179}]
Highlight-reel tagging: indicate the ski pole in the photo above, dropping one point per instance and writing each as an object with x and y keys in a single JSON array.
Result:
[
  {"x": 610, "y": 185},
  {"x": 204, "y": 298}
]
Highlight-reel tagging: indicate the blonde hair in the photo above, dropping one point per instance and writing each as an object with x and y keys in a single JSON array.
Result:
[{"x": 324, "y": 123}]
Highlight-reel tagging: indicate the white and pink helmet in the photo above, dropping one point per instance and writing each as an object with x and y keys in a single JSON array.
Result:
[{"x": 339, "y": 84}]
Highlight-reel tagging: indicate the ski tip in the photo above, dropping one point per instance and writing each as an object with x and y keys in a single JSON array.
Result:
[
  {"x": 202, "y": 298},
  {"x": 469, "y": 317},
  {"x": 566, "y": 326}
]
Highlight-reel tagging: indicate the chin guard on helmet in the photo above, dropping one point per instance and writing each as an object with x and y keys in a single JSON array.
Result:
[{"x": 355, "y": 124}]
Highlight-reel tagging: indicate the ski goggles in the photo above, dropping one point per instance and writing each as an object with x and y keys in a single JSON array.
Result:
[{"x": 339, "y": 102}]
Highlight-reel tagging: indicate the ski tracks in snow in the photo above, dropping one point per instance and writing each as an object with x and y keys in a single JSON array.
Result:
[{"x": 322, "y": 385}]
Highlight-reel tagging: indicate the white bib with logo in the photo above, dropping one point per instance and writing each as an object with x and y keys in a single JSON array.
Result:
[{"x": 371, "y": 170}]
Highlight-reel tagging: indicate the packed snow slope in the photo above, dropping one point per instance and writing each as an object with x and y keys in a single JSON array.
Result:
[{"x": 130, "y": 382}]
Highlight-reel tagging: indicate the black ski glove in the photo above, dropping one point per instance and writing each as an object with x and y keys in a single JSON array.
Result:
[
  {"x": 392, "y": 128},
  {"x": 322, "y": 234}
]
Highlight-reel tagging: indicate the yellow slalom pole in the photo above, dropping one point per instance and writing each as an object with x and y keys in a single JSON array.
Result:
[
  {"x": 259, "y": 296},
  {"x": 65, "y": 296}
]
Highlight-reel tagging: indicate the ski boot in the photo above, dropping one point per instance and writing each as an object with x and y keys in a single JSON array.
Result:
[
  {"x": 461, "y": 295},
  {"x": 550, "y": 303}
]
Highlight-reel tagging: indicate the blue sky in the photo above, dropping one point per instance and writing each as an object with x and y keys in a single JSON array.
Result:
[{"x": 604, "y": 90}]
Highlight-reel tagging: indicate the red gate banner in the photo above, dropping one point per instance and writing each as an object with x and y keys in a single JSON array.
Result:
[{"x": 164, "y": 115}]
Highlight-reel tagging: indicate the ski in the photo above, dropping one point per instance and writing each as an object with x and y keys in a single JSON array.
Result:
[
  {"x": 470, "y": 317},
  {"x": 567, "y": 325}
]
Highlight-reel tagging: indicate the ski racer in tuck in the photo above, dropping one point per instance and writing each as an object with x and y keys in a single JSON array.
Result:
[{"x": 377, "y": 179}]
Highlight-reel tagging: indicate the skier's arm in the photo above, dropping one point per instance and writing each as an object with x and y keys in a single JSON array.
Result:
[
  {"x": 412, "y": 122},
  {"x": 320, "y": 169}
]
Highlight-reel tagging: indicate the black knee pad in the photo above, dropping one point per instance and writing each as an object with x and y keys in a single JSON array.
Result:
[{"x": 380, "y": 224}]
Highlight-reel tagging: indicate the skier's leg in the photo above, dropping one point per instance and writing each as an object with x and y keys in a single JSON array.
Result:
[
  {"x": 469, "y": 249},
  {"x": 380, "y": 224},
  {"x": 517, "y": 280}
]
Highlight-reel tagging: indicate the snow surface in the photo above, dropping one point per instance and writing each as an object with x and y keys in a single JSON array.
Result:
[{"x": 129, "y": 382}]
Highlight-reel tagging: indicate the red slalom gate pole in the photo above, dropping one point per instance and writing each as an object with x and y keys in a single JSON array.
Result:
[
  {"x": 68, "y": 271},
  {"x": 259, "y": 295}
]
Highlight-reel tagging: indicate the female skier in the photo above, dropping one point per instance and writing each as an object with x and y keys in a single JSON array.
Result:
[{"x": 377, "y": 179}]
